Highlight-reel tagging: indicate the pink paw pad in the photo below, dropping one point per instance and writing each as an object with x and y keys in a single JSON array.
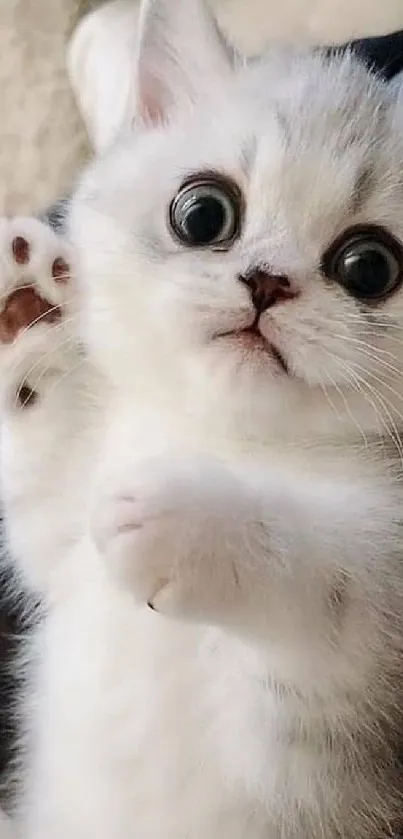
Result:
[
  {"x": 21, "y": 250},
  {"x": 60, "y": 270},
  {"x": 23, "y": 308}
]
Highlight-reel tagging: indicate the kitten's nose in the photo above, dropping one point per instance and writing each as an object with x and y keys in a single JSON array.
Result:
[{"x": 266, "y": 289}]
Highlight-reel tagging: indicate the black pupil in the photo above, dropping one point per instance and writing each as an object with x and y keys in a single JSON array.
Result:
[
  {"x": 366, "y": 271},
  {"x": 204, "y": 220}
]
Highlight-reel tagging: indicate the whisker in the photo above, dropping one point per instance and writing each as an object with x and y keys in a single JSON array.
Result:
[
  {"x": 365, "y": 350},
  {"x": 6, "y": 294},
  {"x": 55, "y": 328},
  {"x": 350, "y": 339},
  {"x": 389, "y": 324},
  {"x": 329, "y": 400},
  {"x": 349, "y": 412},
  {"x": 392, "y": 429},
  {"x": 65, "y": 375},
  {"x": 380, "y": 381},
  {"x": 41, "y": 317},
  {"x": 356, "y": 381},
  {"x": 45, "y": 357}
]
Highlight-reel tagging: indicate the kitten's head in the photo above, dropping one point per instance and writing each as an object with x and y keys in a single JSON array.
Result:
[{"x": 243, "y": 244}]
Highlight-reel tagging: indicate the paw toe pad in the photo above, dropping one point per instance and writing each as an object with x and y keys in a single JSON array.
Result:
[
  {"x": 21, "y": 250},
  {"x": 60, "y": 270}
]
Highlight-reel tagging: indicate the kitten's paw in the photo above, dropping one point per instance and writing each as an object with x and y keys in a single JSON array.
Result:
[
  {"x": 35, "y": 286},
  {"x": 173, "y": 536},
  {"x": 34, "y": 275}
]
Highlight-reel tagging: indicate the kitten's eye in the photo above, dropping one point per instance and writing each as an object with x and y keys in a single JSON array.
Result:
[
  {"x": 206, "y": 212},
  {"x": 367, "y": 261}
]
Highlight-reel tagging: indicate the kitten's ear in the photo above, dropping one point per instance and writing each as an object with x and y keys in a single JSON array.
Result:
[
  {"x": 181, "y": 53},
  {"x": 382, "y": 53}
]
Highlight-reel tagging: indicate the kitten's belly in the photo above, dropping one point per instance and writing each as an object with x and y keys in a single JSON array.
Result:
[{"x": 150, "y": 732}]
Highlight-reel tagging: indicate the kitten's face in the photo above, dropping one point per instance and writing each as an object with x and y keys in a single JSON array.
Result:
[{"x": 250, "y": 248}]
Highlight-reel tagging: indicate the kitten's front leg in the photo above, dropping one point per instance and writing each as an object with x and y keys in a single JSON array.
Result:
[
  {"x": 170, "y": 535},
  {"x": 241, "y": 546},
  {"x": 43, "y": 382}
]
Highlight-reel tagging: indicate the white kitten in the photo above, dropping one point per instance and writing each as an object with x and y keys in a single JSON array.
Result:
[{"x": 228, "y": 454}]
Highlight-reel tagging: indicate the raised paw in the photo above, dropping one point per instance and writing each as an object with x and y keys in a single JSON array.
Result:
[
  {"x": 36, "y": 310},
  {"x": 35, "y": 271},
  {"x": 169, "y": 536}
]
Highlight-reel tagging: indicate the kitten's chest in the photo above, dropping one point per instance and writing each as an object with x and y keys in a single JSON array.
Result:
[{"x": 175, "y": 733}]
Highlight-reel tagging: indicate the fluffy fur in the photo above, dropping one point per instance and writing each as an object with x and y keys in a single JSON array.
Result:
[{"x": 257, "y": 512}]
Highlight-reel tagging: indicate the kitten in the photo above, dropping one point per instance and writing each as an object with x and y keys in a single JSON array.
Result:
[{"x": 204, "y": 479}]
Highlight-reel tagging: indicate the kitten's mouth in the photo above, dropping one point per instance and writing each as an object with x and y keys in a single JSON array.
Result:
[{"x": 251, "y": 341}]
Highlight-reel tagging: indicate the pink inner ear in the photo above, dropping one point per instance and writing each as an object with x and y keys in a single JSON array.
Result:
[{"x": 152, "y": 99}]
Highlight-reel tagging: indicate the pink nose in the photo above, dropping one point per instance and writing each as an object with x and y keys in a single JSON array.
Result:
[{"x": 267, "y": 289}]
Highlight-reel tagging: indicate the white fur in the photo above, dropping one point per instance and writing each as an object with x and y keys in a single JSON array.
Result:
[
  {"x": 100, "y": 66},
  {"x": 259, "y": 513}
]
